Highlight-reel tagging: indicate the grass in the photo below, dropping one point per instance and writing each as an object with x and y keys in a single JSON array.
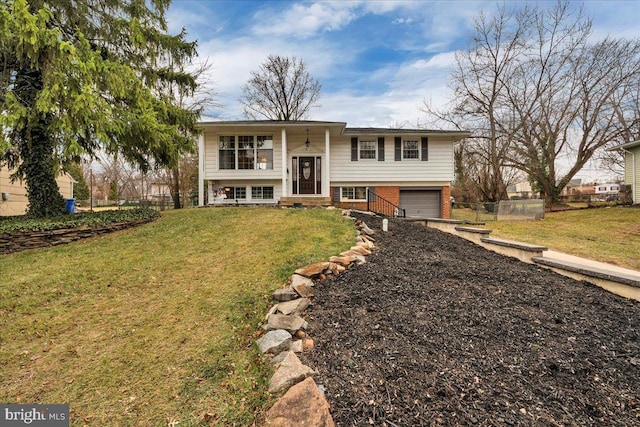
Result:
[
  {"x": 156, "y": 325},
  {"x": 609, "y": 235}
]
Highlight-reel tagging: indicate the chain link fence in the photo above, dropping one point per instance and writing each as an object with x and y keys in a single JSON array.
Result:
[{"x": 504, "y": 210}]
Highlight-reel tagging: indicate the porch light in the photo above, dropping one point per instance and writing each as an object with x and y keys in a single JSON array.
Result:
[{"x": 307, "y": 143}]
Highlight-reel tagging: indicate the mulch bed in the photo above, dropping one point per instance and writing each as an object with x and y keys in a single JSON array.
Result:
[{"x": 434, "y": 330}]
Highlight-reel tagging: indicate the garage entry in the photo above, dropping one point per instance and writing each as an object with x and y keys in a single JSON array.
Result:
[{"x": 421, "y": 203}]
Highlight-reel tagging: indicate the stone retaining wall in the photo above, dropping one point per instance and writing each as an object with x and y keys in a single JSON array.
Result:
[
  {"x": 303, "y": 402},
  {"x": 20, "y": 241}
]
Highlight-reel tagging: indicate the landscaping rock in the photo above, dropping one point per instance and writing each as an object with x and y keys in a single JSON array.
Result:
[
  {"x": 285, "y": 294},
  {"x": 336, "y": 268},
  {"x": 274, "y": 341},
  {"x": 304, "y": 290},
  {"x": 271, "y": 311},
  {"x": 297, "y": 346},
  {"x": 361, "y": 250},
  {"x": 288, "y": 323},
  {"x": 359, "y": 257},
  {"x": 313, "y": 270},
  {"x": 280, "y": 357},
  {"x": 302, "y": 405},
  {"x": 296, "y": 306},
  {"x": 343, "y": 260},
  {"x": 366, "y": 229},
  {"x": 290, "y": 372},
  {"x": 297, "y": 279}
]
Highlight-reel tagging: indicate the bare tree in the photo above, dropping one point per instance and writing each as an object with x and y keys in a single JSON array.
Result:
[
  {"x": 564, "y": 97},
  {"x": 199, "y": 98},
  {"x": 283, "y": 89},
  {"x": 542, "y": 95},
  {"x": 478, "y": 103}
]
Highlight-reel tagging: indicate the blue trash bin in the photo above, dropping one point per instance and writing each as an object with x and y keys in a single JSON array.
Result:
[{"x": 71, "y": 205}]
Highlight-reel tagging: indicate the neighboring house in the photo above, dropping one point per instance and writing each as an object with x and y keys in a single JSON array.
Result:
[
  {"x": 607, "y": 189},
  {"x": 520, "y": 190},
  {"x": 13, "y": 196},
  {"x": 632, "y": 168},
  {"x": 315, "y": 162},
  {"x": 574, "y": 187}
]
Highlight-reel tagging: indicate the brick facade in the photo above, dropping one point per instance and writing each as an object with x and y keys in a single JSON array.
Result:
[
  {"x": 392, "y": 194},
  {"x": 446, "y": 202}
]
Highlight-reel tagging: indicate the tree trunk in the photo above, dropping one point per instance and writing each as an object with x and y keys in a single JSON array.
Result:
[
  {"x": 37, "y": 153},
  {"x": 176, "y": 187}
]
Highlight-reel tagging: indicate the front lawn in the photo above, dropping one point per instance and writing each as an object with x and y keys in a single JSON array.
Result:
[
  {"x": 155, "y": 325},
  {"x": 609, "y": 235}
]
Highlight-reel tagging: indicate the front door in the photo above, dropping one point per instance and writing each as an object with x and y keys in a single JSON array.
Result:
[{"x": 307, "y": 175}]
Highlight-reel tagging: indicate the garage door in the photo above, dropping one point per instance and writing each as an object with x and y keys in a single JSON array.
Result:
[{"x": 421, "y": 203}]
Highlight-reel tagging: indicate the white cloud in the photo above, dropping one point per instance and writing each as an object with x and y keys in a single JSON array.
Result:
[{"x": 304, "y": 20}]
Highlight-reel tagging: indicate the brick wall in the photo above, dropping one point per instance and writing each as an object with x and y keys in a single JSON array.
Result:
[
  {"x": 446, "y": 203},
  {"x": 392, "y": 194}
]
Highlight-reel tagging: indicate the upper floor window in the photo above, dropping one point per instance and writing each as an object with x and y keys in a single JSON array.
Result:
[
  {"x": 227, "y": 152},
  {"x": 368, "y": 149},
  {"x": 410, "y": 149},
  {"x": 264, "y": 158},
  {"x": 245, "y": 152}
]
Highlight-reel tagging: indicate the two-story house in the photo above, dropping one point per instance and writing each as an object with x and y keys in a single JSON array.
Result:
[{"x": 316, "y": 162}]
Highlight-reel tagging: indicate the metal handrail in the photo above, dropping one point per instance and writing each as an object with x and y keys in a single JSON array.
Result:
[{"x": 382, "y": 206}]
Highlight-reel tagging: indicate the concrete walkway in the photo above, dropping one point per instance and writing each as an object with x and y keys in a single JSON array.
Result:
[{"x": 590, "y": 263}]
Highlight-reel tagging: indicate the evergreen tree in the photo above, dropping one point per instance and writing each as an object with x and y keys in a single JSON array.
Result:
[
  {"x": 80, "y": 76},
  {"x": 80, "y": 188}
]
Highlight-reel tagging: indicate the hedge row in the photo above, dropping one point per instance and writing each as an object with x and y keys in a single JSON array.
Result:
[
  {"x": 23, "y": 223},
  {"x": 21, "y": 233}
]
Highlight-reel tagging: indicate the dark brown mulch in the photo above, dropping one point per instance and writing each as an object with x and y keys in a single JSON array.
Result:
[{"x": 434, "y": 330}]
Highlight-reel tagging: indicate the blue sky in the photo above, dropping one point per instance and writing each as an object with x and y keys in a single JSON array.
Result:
[{"x": 377, "y": 61}]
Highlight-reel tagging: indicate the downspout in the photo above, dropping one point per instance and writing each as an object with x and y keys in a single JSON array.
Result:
[{"x": 634, "y": 197}]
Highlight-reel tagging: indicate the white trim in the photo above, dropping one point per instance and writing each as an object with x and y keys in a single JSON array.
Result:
[
  {"x": 372, "y": 139},
  {"x": 285, "y": 162},
  {"x": 326, "y": 165},
  {"x": 201, "y": 169},
  {"x": 345, "y": 199}
]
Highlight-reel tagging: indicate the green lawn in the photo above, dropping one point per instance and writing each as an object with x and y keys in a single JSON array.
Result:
[
  {"x": 156, "y": 324},
  {"x": 609, "y": 235}
]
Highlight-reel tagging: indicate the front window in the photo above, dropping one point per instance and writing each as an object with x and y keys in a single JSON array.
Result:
[
  {"x": 265, "y": 152},
  {"x": 354, "y": 193},
  {"x": 246, "y": 152},
  {"x": 227, "y": 152},
  {"x": 410, "y": 149},
  {"x": 265, "y": 193},
  {"x": 368, "y": 149}
]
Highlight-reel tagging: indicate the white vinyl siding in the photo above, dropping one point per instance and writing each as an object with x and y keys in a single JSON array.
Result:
[
  {"x": 437, "y": 171},
  {"x": 629, "y": 169}
]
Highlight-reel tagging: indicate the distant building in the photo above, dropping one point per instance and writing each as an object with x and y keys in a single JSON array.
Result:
[
  {"x": 13, "y": 196},
  {"x": 608, "y": 189}
]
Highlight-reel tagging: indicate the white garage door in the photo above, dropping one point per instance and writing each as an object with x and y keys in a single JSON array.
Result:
[{"x": 421, "y": 203}]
